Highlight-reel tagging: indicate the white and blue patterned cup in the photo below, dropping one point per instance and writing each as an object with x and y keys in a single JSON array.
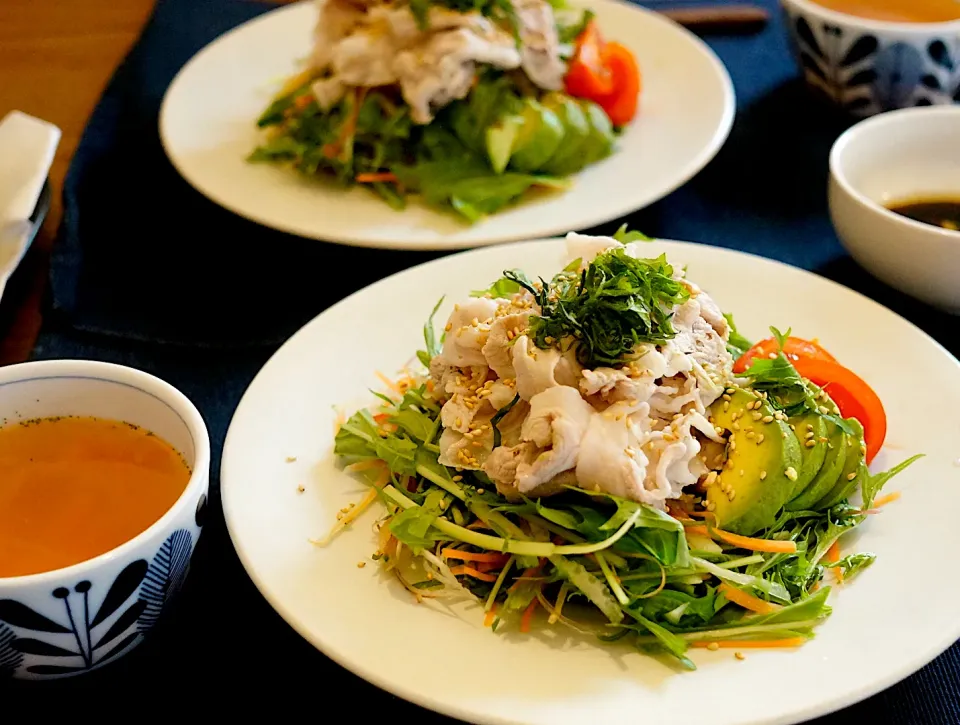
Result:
[
  {"x": 74, "y": 620},
  {"x": 870, "y": 66}
]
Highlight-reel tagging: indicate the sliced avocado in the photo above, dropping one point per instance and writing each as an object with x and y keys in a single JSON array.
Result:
[
  {"x": 763, "y": 457},
  {"x": 600, "y": 143},
  {"x": 500, "y": 138},
  {"x": 569, "y": 157},
  {"x": 811, "y": 431},
  {"x": 829, "y": 473},
  {"x": 854, "y": 469},
  {"x": 540, "y": 135}
]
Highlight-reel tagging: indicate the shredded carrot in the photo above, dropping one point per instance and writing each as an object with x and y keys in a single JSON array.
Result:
[
  {"x": 489, "y": 558},
  {"x": 388, "y": 382},
  {"x": 490, "y": 617},
  {"x": 833, "y": 556},
  {"x": 747, "y": 601},
  {"x": 470, "y": 571},
  {"x": 365, "y": 465},
  {"x": 381, "y": 417},
  {"x": 430, "y": 385},
  {"x": 528, "y": 616},
  {"x": 752, "y": 643},
  {"x": 884, "y": 500},
  {"x": 348, "y": 518},
  {"x": 745, "y": 542},
  {"x": 372, "y": 178},
  {"x": 348, "y": 128},
  {"x": 303, "y": 101},
  {"x": 477, "y": 525},
  {"x": 527, "y": 574},
  {"x": 294, "y": 82}
]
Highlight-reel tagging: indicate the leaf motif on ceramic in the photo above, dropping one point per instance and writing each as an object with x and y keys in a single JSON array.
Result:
[
  {"x": 940, "y": 54},
  {"x": 10, "y": 659},
  {"x": 861, "y": 49},
  {"x": 165, "y": 577},
  {"x": 900, "y": 69},
  {"x": 91, "y": 642},
  {"x": 200, "y": 518}
]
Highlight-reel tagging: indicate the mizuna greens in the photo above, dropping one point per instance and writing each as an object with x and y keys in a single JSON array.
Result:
[
  {"x": 394, "y": 100},
  {"x": 664, "y": 579}
]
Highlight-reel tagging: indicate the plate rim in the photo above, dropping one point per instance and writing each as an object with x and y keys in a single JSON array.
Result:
[
  {"x": 425, "y": 700},
  {"x": 707, "y": 153}
]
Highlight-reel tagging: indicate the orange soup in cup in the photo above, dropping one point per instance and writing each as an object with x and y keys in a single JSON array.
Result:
[
  {"x": 897, "y": 11},
  {"x": 73, "y": 488}
]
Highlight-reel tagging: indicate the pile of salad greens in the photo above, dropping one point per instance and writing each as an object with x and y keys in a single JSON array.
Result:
[
  {"x": 664, "y": 581},
  {"x": 477, "y": 156}
]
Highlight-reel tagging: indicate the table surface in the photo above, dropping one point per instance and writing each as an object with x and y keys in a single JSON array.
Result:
[{"x": 55, "y": 58}]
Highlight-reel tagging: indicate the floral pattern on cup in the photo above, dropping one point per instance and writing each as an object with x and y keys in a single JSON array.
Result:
[
  {"x": 869, "y": 72},
  {"x": 95, "y": 627}
]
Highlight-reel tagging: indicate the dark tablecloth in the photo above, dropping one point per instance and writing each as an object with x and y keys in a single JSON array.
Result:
[{"x": 148, "y": 273}]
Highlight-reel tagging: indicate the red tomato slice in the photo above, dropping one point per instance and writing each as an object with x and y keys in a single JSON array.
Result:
[
  {"x": 588, "y": 75},
  {"x": 621, "y": 104},
  {"x": 854, "y": 397},
  {"x": 794, "y": 348}
]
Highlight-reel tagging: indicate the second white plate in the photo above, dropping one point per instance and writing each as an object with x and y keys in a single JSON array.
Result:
[
  {"x": 208, "y": 127},
  {"x": 888, "y": 622}
]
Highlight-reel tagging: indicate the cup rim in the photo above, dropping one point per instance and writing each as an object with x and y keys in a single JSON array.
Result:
[
  {"x": 879, "y": 26},
  {"x": 838, "y": 173},
  {"x": 145, "y": 383}
]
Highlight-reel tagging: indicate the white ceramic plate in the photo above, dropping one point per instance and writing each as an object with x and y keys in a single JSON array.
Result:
[
  {"x": 207, "y": 125},
  {"x": 890, "y": 621}
]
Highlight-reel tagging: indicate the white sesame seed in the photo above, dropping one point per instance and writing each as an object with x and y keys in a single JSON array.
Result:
[
  {"x": 851, "y": 476},
  {"x": 767, "y": 419},
  {"x": 791, "y": 473},
  {"x": 763, "y": 475}
]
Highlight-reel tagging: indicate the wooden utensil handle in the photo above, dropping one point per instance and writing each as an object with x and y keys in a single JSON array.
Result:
[{"x": 720, "y": 18}]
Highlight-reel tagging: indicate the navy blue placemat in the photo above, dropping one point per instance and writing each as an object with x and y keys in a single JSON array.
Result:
[{"x": 142, "y": 259}]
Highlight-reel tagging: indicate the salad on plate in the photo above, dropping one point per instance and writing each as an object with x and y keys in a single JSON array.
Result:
[
  {"x": 470, "y": 105},
  {"x": 604, "y": 451}
]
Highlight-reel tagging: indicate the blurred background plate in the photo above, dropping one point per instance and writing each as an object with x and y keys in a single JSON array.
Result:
[{"x": 208, "y": 128}]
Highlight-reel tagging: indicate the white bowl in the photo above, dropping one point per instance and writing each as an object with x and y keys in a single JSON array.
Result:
[
  {"x": 73, "y": 620},
  {"x": 897, "y": 156}
]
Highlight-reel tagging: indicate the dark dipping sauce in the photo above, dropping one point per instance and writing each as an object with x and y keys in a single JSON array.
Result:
[{"x": 943, "y": 213}]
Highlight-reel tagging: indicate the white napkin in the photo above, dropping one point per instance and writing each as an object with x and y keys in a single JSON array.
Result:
[{"x": 27, "y": 146}]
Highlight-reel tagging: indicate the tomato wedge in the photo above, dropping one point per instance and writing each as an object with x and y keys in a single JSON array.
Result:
[
  {"x": 853, "y": 396},
  {"x": 621, "y": 104},
  {"x": 588, "y": 75},
  {"x": 794, "y": 348},
  {"x": 605, "y": 73}
]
